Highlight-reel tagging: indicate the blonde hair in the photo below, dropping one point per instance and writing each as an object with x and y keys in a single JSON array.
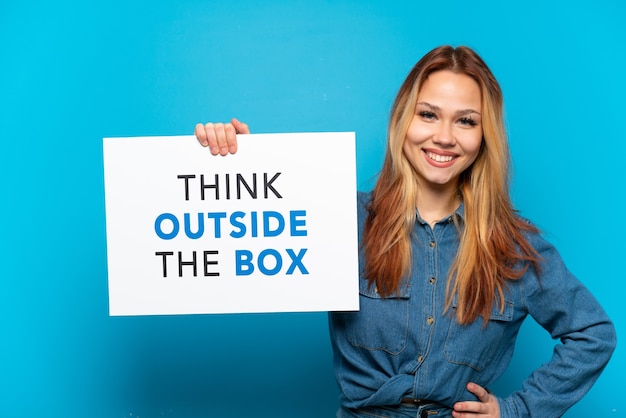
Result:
[{"x": 492, "y": 242}]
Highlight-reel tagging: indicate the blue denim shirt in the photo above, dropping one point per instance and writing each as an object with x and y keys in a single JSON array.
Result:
[{"x": 407, "y": 346}]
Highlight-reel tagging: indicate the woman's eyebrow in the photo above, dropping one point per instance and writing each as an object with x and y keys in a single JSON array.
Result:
[
  {"x": 457, "y": 113},
  {"x": 431, "y": 106},
  {"x": 466, "y": 112}
]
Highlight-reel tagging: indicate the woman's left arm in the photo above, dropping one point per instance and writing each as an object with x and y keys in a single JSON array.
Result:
[{"x": 562, "y": 305}]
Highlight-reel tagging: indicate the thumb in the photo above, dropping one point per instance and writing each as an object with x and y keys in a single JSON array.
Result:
[{"x": 241, "y": 127}]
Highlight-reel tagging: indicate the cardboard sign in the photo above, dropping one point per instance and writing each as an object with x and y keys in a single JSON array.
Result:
[{"x": 271, "y": 228}]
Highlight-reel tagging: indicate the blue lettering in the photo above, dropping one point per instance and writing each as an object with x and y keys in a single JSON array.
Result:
[
  {"x": 243, "y": 263},
  {"x": 278, "y": 264},
  {"x": 296, "y": 261},
  {"x": 194, "y": 235},
  {"x": 267, "y": 231},
  {"x": 234, "y": 222},
  {"x": 217, "y": 216},
  {"x": 175, "y": 226},
  {"x": 294, "y": 223},
  {"x": 253, "y": 225}
]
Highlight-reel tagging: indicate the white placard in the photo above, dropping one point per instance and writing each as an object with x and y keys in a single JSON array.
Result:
[{"x": 271, "y": 228}]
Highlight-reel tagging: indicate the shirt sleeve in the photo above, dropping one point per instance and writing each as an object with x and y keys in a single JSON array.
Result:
[{"x": 562, "y": 305}]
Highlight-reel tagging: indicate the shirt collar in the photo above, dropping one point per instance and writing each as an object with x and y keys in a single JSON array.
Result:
[{"x": 459, "y": 213}]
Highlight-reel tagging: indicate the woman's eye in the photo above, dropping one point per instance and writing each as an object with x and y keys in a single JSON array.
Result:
[
  {"x": 467, "y": 122},
  {"x": 426, "y": 114}
]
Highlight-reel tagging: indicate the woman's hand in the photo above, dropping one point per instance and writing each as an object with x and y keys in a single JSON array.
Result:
[
  {"x": 221, "y": 138},
  {"x": 487, "y": 407}
]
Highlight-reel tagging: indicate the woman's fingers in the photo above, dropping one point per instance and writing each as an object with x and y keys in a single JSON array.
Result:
[
  {"x": 200, "y": 133},
  {"x": 487, "y": 407},
  {"x": 241, "y": 127},
  {"x": 221, "y": 138},
  {"x": 481, "y": 393},
  {"x": 231, "y": 140}
]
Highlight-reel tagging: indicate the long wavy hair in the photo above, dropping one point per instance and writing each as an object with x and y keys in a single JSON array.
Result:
[{"x": 493, "y": 247}]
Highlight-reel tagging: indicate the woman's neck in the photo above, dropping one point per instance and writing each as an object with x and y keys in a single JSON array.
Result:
[{"x": 436, "y": 204}]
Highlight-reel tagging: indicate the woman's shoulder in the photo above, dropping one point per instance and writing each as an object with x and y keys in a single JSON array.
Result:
[
  {"x": 363, "y": 198},
  {"x": 536, "y": 238},
  {"x": 363, "y": 203}
]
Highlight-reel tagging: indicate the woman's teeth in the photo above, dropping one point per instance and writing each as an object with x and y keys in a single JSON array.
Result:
[{"x": 439, "y": 158}]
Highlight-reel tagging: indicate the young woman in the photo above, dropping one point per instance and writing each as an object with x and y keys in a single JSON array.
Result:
[{"x": 449, "y": 271}]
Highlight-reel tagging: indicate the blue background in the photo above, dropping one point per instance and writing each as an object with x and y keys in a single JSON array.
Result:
[{"x": 72, "y": 73}]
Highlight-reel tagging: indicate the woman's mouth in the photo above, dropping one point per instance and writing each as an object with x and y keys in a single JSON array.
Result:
[{"x": 438, "y": 157}]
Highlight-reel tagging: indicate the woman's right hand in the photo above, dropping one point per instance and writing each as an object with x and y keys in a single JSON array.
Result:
[{"x": 221, "y": 138}]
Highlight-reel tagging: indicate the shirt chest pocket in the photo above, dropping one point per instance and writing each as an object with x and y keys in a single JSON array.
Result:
[
  {"x": 381, "y": 323},
  {"x": 476, "y": 345}
]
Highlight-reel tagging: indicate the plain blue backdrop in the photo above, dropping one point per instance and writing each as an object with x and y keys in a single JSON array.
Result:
[{"x": 74, "y": 72}]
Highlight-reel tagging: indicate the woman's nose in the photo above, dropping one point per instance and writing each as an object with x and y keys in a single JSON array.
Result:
[{"x": 444, "y": 135}]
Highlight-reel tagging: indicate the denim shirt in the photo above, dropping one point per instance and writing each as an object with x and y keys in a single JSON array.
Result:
[{"x": 407, "y": 346}]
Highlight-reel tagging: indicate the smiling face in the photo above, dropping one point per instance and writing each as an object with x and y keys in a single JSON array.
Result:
[{"x": 445, "y": 134}]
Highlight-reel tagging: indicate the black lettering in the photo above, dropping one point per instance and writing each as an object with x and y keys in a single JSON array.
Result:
[
  {"x": 182, "y": 263},
  {"x": 204, "y": 186},
  {"x": 241, "y": 180},
  {"x": 268, "y": 185},
  {"x": 208, "y": 263},
  {"x": 186, "y": 177},
  {"x": 227, "y": 186},
  {"x": 164, "y": 254}
]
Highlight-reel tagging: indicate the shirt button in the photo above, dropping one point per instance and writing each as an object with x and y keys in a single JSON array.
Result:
[
  {"x": 432, "y": 280},
  {"x": 420, "y": 359},
  {"x": 432, "y": 244},
  {"x": 376, "y": 290},
  {"x": 430, "y": 320}
]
